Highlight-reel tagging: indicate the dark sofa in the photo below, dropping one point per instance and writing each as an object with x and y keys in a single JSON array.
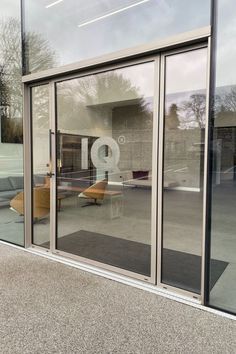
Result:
[{"x": 9, "y": 188}]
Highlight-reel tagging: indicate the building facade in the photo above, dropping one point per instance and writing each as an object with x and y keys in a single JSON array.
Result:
[{"x": 118, "y": 147}]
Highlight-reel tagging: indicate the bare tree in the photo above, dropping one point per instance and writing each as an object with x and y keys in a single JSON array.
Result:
[
  {"x": 172, "y": 118},
  {"x": 41, "y": 57},
  {"x": 95, "y": 89},
  {"x": 194, "y": 111},
  {"x": 229, "y": 101}
]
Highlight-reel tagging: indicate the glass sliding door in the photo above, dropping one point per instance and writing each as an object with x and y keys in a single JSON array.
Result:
[
  {"x": 104, "y": 167},
  {"x": 41, "y": 164},
  {"x": 185, "y": 81}
]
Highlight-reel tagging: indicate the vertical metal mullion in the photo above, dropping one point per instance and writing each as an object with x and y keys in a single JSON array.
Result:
[
  {"x": 160, "y": 169},
  {"x": 27, "y": 163},
  {"x": 53, "y": 199},
  {"x": 154, "y": 170},
  {"x": 211, "y": 86},
  {"x": 206, "y": 158}
]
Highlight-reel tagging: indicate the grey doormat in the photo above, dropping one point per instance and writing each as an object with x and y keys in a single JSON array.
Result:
[{"x": 179, "y": 269}]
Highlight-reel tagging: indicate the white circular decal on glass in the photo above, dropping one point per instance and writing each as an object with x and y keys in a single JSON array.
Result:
[{"x": 121, "y": 139}]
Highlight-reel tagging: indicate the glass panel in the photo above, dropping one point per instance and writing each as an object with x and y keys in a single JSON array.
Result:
[
  {"x": 184, "y": 131},
  {"x": 11, "y": 132},
  {"x": 41, "y": 165},
  {"x": 98, "y": 27},
  {"x": 223, "y": 221},
  {"x": 104, "y": 181}
]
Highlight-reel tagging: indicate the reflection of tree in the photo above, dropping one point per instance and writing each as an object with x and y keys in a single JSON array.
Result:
[
  {"x": 98, "y": 91},
  {"x": 10, "y": 63},
  {"x": 38, "y": 52},
  {"x": 40, "y": 107},
  {"x": 224, "y": 105},
  {"x": 172, "y": 118},
  {"x": 229, "y": 101},
  {"x": 98, "y": 88},
  {"x": 111, "y": 83},
  {"x": 108, "y": 104},
  {"x": 11, "y": 74},
  {"x": 194, "y": 111}
]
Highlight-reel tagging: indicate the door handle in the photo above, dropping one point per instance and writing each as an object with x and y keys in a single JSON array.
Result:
[{"x": 50, "y": 173}]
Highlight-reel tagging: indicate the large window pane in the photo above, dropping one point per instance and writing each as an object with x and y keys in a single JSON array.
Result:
[
  {"x": 223, "y": 225},
  {"x": 104, "y": 156},
  {"x": 184, "y": 132},
  {"x": 11, "y": 134},
  {"x": 41, "y": 140},
  {"x": 63, "y": 32}
]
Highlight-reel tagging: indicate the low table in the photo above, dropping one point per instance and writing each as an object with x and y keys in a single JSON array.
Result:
[{"x": 115, "y": 198}]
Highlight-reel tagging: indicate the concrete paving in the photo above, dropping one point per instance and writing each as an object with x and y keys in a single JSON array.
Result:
[{"x": 49, "y": 307}]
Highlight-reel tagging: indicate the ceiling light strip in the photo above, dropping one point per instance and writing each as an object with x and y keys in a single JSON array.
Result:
[
  {"x": 53, "y": 3},
  {"x": 112, "y": 13}
]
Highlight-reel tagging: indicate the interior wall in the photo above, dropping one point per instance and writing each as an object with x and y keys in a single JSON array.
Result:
[
  {"x": 133, "y": 125},
  {"x": 11, "y": 159}
]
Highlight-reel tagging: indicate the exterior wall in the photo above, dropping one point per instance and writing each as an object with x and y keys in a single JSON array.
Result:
[{"x": 89, "y": 37}]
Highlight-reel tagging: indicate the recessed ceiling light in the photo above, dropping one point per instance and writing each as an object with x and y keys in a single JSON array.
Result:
[{"x": 112, "y": 13}]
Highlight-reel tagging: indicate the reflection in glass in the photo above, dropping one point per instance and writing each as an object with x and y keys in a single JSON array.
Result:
[
  {"x": 104, "y": 176},
  {"x": 223, "y": 221},
  {"x": 98, "y": 27},
  {"x": 184, "y": 131},
  {"x": 11, "y": 134},
  {"x": 40, "y": 163}
]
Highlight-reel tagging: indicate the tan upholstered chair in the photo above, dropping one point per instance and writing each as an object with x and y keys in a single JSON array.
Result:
[
  {"x": 95, "y": 192},
  {"x": 41, "y": 203}
]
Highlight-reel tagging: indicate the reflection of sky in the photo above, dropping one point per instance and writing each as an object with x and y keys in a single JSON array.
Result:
[
  {"x": 152, "y": 20},
  {"x": 9, "y": 8},
  {"x": 186, "y": 75},
  {"x": 140, "y": 80},
  {"x": 186, "y": 71},
  {"x": 226, "y": 54},
  {"x": 141, "y": 77}
]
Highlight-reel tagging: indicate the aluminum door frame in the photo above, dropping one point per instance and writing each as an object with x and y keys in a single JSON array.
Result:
[
  {"x": 28, "y": 165},
  {"x": 160, "y": 284},
  {"x": 53, "y": 205},
  {"x": 157, "y": 154}
]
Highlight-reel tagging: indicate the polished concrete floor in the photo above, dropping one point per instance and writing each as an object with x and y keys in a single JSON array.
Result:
[{"x": 49, "y": 307}]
